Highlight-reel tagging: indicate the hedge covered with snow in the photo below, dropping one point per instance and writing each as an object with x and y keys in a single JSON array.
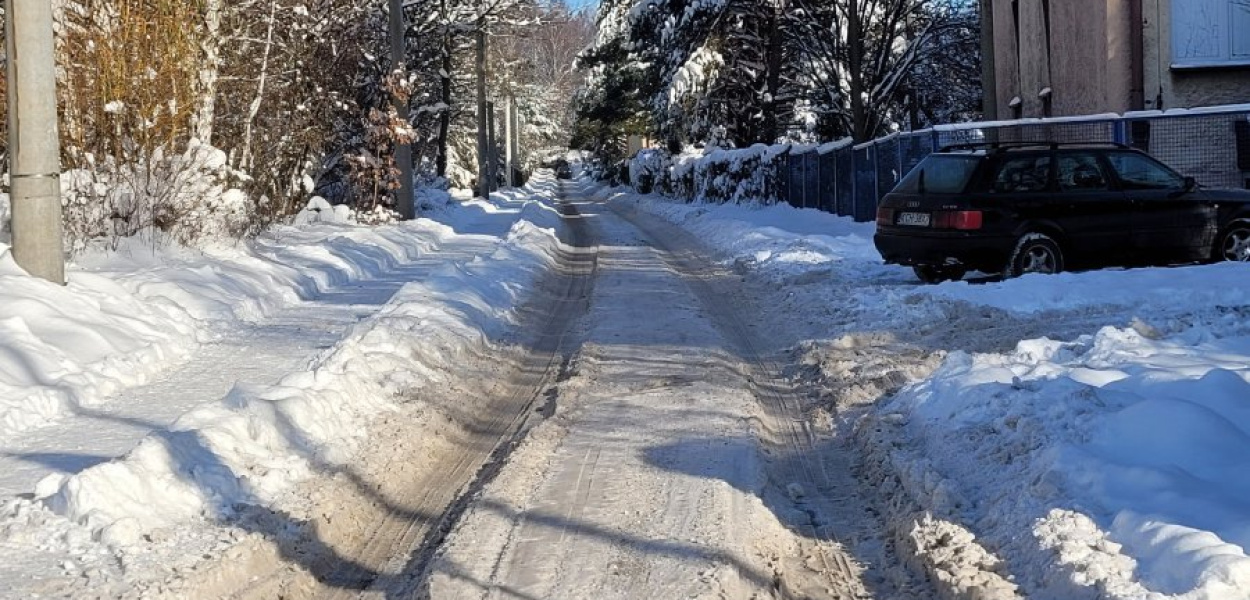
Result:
[
  {"x": 757, "y": 174},
  {"x": 712, "y": 175}
]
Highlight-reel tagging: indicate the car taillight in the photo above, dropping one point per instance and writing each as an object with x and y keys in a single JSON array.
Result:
[
  {"x": 885, "y": 216},
  {"x": 958, "y": 219}
]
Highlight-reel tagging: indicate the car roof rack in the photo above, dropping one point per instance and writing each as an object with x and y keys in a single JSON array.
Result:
[{"x": 1001, "y": 146}]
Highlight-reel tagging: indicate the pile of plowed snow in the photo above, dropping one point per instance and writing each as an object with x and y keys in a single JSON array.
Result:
[
  {"x": 1113, "y": 466},
  {"x": 250, "y": 446}
]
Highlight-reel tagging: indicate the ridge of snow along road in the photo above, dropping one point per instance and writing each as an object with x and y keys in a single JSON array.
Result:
[
  {"x": 1113, "y": 465},
  {"x": 254, "y": 443}
]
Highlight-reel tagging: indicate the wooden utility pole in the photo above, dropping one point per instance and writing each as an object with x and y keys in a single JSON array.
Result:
[
  {"x": 483, "y": 148},
  {"x": 34, "y": 144},
  {"x": 405, "y": 198}
]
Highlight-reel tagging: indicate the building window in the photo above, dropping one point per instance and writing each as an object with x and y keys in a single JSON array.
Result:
[{"x": 1210, "y": 33}]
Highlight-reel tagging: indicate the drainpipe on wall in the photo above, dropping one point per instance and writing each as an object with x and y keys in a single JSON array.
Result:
[{"x": 1137, "y": 52}]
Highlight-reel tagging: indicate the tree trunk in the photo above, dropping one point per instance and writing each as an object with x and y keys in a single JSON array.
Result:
[
  {"x": 210, "y": 44},
  {"x": 855, "y": 48},
  {"x": 771, "y": 129},
  {"x": 444, "y": 117},
  {"x": 245, "y": 161},
  {"x": 492, "y": 147},
  {"x": 483, "y": 150}
]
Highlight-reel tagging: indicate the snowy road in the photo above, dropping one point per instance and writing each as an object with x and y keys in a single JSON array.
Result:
[
  {"x": 664, "y": 452},
  {"x": 679, "y": 464},
  {"x": 684, "y": 451},
  {"x": 687, "y": 401}
]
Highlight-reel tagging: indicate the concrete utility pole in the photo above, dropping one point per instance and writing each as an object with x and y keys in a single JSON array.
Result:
[
  {"x": 34, "y": 144},
  {"x": 405, "y": 199}
]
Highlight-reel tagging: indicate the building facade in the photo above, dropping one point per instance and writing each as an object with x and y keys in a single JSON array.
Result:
[{"x": 1080, "y": 57}]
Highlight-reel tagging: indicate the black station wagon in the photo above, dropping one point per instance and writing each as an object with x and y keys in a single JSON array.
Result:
[{"x": 1043, "y": 208}]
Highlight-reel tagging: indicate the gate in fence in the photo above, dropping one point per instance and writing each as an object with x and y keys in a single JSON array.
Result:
[{"x": 1212, "y": 145}]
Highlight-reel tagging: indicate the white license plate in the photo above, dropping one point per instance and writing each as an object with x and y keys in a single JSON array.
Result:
[{"x": 914, "y": 218}]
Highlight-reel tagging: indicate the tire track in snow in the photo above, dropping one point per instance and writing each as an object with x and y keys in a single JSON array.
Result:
[
  {"x": 826, "y": 496},
  {"x": 379, "y": 526},
  {"x": 401, "y": 546}
]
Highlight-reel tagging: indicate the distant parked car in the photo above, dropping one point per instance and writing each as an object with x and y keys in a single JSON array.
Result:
[
  {"x": 564, "y": 170},
  {"x": 1043, "y": 208}
]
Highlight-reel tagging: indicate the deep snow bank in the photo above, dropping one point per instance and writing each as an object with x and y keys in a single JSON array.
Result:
[
  {"x": 777, "y": 238},
  {"x": 67, "y": 346},
  {"x": 256, "y": 443},
  {"x": 1150, "y": 290},
  {"x": 1112, "y": 466},
  {"x": 1124, "y": 458},
  {"x": 129, "y": 314}
]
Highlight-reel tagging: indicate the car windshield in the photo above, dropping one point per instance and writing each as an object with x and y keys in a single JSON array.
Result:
[
  {"x": 942, "y": 174},
  {"x": 1143, "y": 173}
]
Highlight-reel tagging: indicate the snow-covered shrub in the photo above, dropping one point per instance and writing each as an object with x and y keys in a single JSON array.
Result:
[
  {"x": 433, "y": 195},
  {"x": 715, "y": 175},
  {"x": 319, "y": 210},
  {"x": 185, "y": 197},
  {"x": 646, "y": 169},
  {"x": 5, "y": 216}
]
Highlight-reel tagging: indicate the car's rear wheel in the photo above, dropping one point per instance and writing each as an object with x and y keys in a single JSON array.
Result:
[
  {"x": 939, "y": 273},
  {"x": 1035, "y": 253},
  {"x": 1234, "y": 244}
]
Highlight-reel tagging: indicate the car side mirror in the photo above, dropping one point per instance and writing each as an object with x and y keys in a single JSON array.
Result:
[{"x": 1191, "y": 184}]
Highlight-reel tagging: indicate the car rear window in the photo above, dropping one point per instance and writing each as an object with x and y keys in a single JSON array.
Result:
[{"x": 943, "y": 174}]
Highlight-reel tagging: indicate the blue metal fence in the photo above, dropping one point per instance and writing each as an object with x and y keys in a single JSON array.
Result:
[{"x": 1212, "y": 145}]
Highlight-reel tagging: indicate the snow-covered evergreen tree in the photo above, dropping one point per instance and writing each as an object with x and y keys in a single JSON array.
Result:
[{"x": 732, "y": 73}]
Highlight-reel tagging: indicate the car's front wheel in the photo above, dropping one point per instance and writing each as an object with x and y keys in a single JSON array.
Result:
[
  {"x": 1234, "y": 244},
  {"x": 938, "y": 274},
  {"x": 1035, "y": 253}
]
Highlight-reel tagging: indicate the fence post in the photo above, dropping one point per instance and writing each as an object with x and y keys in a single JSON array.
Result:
[
  {"x": 834, "y": 188},
  {"x": 816, "y": 200},
  {"x": 876, "y": 177},
  {"x": 803, "y": 175},
  {"x": 854, "y": 181},
  {"x": 898, "y": 151},
  {"x": 1119, "y": 129}
]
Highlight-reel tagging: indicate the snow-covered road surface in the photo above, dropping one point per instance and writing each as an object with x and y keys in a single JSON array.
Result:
[
  {"x": 679, "y": 464},
  {"x": 689, "y": 401},
  {"x": 1083, "y": 437}
]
